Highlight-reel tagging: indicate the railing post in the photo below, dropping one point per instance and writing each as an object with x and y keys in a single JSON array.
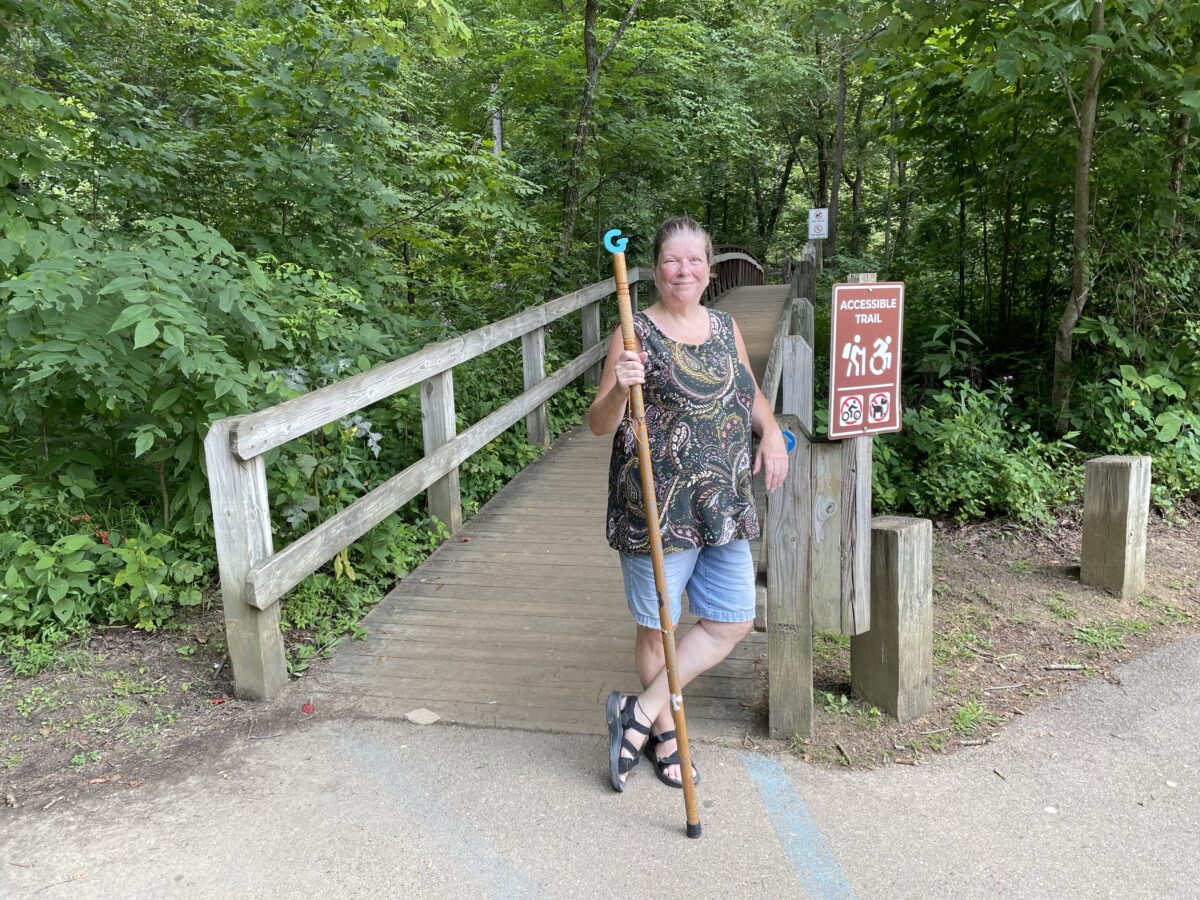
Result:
[
  {"x": 533, "y": 358},
  {"x": 826, "y": 583},
  {"x": 789, "y": 617},
  {"x": 591, "y": 337},
  {"x": 242, "y": 528},
  {"x": 438, "y": 425}
]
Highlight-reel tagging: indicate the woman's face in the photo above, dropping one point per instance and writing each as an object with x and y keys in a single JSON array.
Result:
[{"x": 682, "y": 270}]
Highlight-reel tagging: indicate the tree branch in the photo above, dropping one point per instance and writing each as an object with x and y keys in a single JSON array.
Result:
[
  {"x": 1062, "y": 75},
  {"x": 629, "y": 14}
]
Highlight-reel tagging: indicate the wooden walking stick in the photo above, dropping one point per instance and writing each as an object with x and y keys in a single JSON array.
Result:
[{"x": 615, "y": 244}]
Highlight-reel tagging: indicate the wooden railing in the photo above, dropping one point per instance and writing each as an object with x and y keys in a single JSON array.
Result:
[
  {"x": 732, "y": 267},
  {"x": 254, "y": 576}
]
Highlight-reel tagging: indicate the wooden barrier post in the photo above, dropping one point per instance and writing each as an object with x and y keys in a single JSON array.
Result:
[
  {"x": 242, "y": 527},
  {"x": 438, "y": 425},
  {"x": 789, "y": 621},
  {"x": 591, "y": 337},
  {"x": 826, "y": 583},
  {"x": 533, "y": 358},
  {"x": 1116, "y": 502},
  {"x": 891, "y": 666}
]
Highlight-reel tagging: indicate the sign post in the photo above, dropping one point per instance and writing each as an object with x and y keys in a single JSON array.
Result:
[{"x": 864, "y": 359}]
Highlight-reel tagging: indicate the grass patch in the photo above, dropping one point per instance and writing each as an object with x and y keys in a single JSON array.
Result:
[
  {"x": 1110, "y": 634},
  {"x": 970, "y": 716},
  {"x": 1060, "y": 607}
]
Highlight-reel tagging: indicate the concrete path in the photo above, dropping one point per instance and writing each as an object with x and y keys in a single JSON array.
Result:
[{"x": 1100, "y": 797}]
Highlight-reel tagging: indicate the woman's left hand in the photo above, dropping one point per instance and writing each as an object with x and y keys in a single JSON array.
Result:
[{"x": 772, "y": 457}]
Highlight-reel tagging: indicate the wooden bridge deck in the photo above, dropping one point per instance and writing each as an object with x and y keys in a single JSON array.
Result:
[{"x": 519, "y": 620}]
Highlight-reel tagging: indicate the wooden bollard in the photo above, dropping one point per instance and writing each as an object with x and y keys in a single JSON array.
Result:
[
  {"x": 789, "y": 617},
  {"x": 891, "y": 666},
  {"x": 1116, "y": 502}
]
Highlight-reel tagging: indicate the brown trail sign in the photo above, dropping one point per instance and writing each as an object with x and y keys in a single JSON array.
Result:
[{"x": 864, "y": 358}]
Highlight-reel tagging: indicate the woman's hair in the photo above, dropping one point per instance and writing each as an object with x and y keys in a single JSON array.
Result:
[{"x": 674, "y": 226}]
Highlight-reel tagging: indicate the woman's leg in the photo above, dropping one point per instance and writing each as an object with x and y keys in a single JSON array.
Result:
[{"x": 703, "y": 646}]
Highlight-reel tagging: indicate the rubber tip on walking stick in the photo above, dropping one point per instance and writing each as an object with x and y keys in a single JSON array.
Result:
[{"x": 693, "y": 831}]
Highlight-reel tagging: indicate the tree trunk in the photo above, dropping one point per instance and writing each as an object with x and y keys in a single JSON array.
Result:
[
  {"x": 1048, "y": 274},
  {"x": 1006, "y": 241},
  {"x": 1060, "y": 390},
  {"x": 497, "y": 123},
  {"x": 856, "y": 184},
  {"x": 821, "y": 199},
  {"x": 887, "y": 202},
  {"x": 760, "y": 216},
  {"x": 962, "y": 247},
  {"x": 905, "y": 203},
  {"x": 593, "y": 60},
  {"x": 987, "y": 263},
  {"x": 780, "y": 194},
  {"x": 1178, "y": 160},
  {"x": 839, "y": 155}
]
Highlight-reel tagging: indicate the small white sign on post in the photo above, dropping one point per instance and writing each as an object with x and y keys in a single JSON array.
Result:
[{"x": 818, "y": 224}]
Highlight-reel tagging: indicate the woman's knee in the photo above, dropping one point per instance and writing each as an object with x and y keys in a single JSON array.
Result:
[
  {"x": 650, "y": 638},
  {"x": 730, "y": 633}
]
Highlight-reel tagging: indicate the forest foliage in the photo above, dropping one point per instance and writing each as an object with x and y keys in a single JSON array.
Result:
[{"x": 208, "y": 208}]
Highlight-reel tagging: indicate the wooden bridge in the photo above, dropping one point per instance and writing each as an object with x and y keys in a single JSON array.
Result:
[{"x": 519, "y": 619}]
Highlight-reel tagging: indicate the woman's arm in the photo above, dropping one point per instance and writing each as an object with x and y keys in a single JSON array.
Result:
[
  {"x": 622, "y": 369},
  {"x": 772, "y": 451}
]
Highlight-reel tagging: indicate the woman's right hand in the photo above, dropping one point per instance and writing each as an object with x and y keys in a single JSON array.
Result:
[{"x": 630, "y": 368}]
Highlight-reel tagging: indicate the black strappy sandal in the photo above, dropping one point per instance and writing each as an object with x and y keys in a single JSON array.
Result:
[
  {"x": 618, "y": 720},
  {"x": 660, "y": 765}
]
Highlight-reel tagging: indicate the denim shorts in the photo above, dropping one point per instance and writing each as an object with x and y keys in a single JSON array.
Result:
[{"x": 719, "y": 581}]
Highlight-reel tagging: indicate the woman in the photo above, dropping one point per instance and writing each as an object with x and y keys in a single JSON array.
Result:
[{"x": 702, "y": 402}]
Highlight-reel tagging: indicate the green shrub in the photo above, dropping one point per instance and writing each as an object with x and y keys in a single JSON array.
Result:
[
  {"x": 964, "y": 452},
  {"x": 1144, "y": 402}
]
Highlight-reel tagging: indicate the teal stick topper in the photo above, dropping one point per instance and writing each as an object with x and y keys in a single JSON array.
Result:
[{"x": 613, "y": 242}]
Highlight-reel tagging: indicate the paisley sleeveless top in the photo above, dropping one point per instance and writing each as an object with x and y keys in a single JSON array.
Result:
[{"x": 698, "y": 400}]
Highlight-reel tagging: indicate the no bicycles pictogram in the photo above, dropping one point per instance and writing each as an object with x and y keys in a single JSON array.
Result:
[{"x": 851, "y": 411}]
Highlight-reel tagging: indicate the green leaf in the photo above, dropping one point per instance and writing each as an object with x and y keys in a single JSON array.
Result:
[
  {"x": 173, "y": 336},
  {"x": 1071, "y": 12},
  {"x": 75, "y": 542},
  {"x": 166, "y": 399},
  {"x": 144, "y": 442},
  {"x": 979, "y": 80},
  {"x": 8, "y": 481},
  {"x": 1129, "y": 373},
  {"x": 124, "y": 283},
  {"x": 256, "y": 273},
  {"x": 1168, "y": 424},
  {"x": 1190, "y": 99},
  {"x": 145, "y": 333},
  {"x": 129, "y": 315}
]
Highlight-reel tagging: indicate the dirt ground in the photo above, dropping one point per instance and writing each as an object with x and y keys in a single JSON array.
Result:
[{"x": 1013, "y": 629}]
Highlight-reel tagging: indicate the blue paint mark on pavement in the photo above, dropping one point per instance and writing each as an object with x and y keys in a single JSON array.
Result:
[
  {"x": 498, "y": 876},
  {"x": 810, "y": 856}
]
